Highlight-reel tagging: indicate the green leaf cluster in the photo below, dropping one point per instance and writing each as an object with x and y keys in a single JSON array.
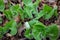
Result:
[
  {"x": 47, "y": 12},
  {"x": 39, "y": 31},
  {"x": 8, "y": 26},
  {"x": 29, "y": 9},
  {"x": 12, "y": 12}
]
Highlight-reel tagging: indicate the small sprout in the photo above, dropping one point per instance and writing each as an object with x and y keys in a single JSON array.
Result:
[{"x": 27, "y": 25}]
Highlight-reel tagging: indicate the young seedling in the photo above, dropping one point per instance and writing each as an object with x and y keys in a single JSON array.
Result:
[
  {"x": 8, "y": 26},
  {"x": 12, "y": 12},
  {"x": 39, "y": 31}
]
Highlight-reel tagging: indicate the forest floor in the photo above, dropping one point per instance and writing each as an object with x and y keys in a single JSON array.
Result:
[{"x": 20, "y": 34}]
